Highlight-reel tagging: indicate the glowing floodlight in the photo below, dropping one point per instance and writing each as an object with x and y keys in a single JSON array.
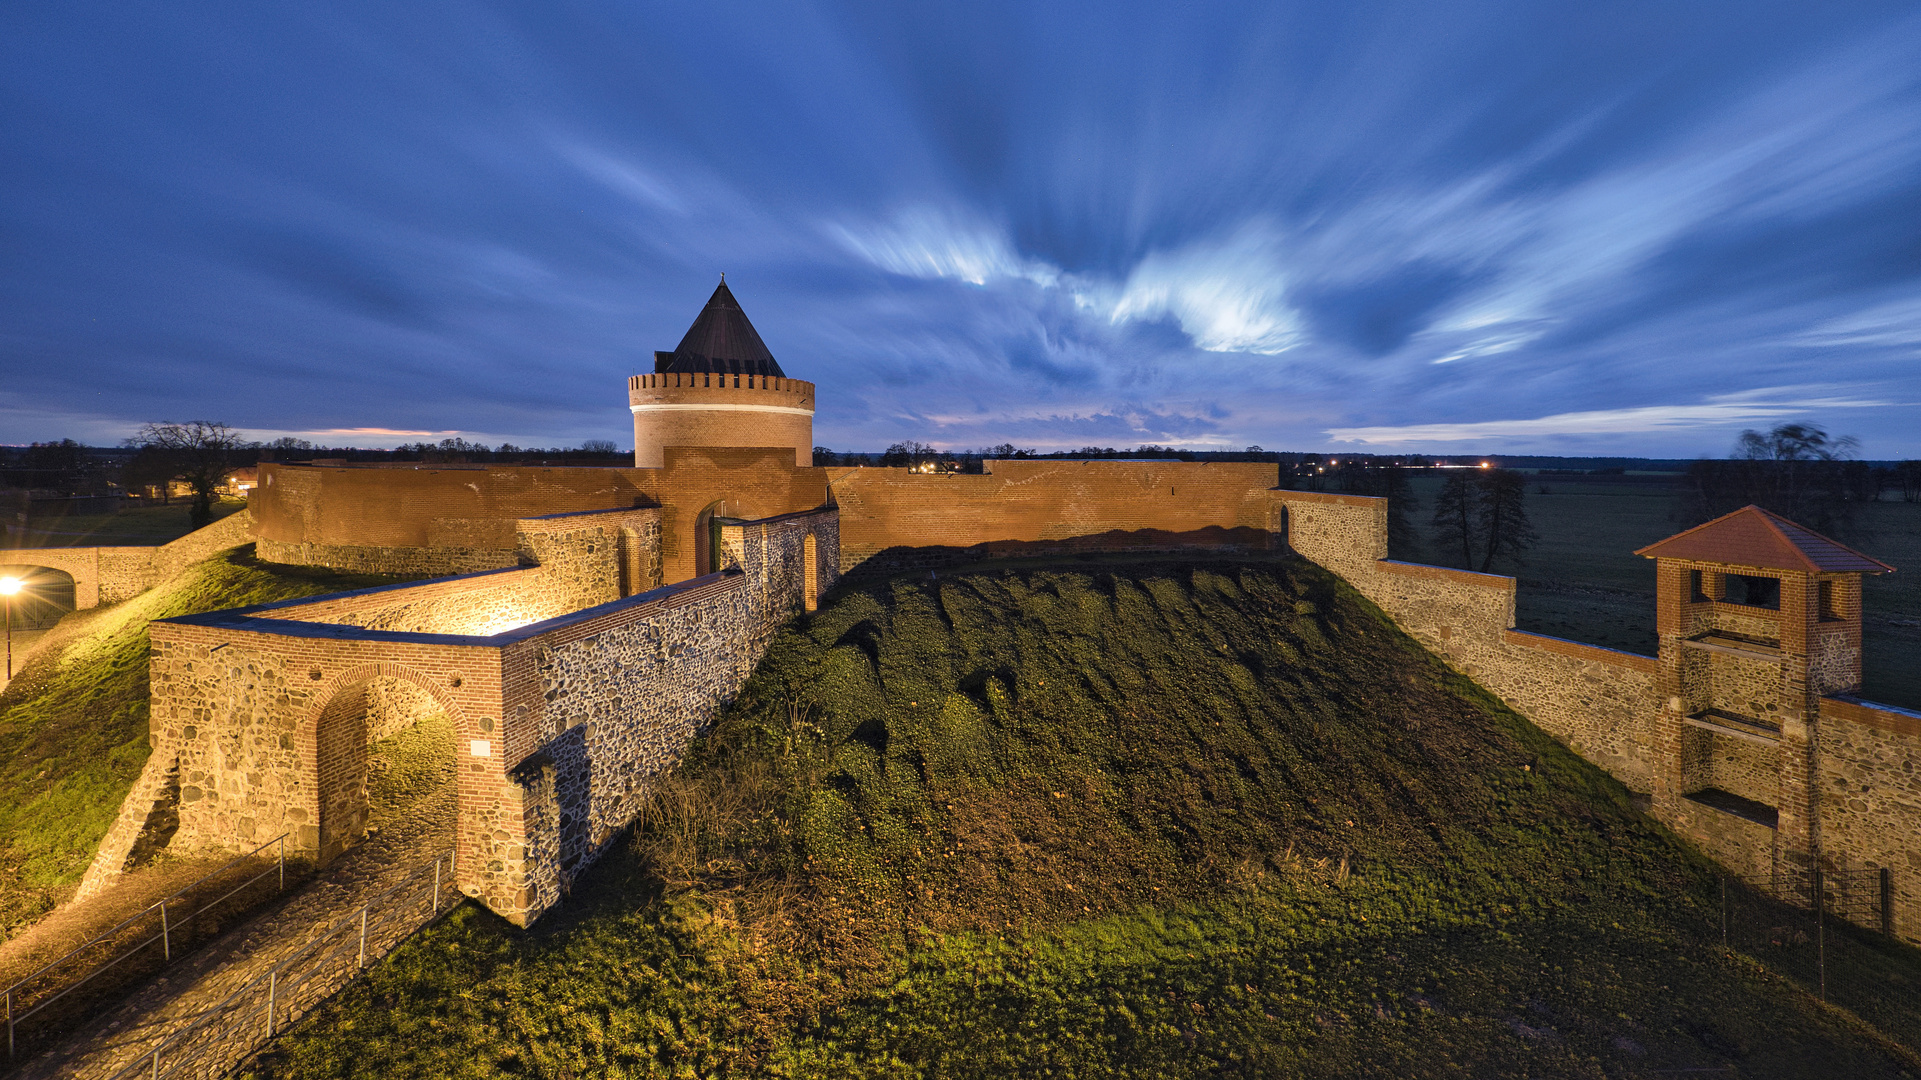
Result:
[{"x": 8, "y": 587}]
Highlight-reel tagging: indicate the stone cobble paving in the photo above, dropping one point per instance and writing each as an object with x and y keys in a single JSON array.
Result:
[{"x": 173, "y": 1000}]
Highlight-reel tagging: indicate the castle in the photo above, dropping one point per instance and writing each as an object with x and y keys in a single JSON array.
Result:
[{"x": 582, "y": 624}]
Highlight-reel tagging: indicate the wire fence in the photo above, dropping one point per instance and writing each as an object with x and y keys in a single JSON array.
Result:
[
  {"x": 1831, "y": 932},
  {"x": 228, "y": 1033},
  {"x": 61, "y": 991}
]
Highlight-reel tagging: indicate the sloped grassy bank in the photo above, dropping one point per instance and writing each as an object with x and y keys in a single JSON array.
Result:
[
  {"x": 73, "y": 724},
  {"x": 1177, "y": 819}
]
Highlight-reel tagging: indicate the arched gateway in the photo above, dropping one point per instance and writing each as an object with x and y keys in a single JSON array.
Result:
[{"x": 382, "y": 739}]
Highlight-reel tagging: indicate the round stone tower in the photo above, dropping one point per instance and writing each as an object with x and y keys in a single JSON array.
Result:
[{"x": 720, "y": 387}]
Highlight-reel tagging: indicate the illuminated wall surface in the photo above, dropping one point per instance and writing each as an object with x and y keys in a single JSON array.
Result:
[{"x": 569, "y": 682}]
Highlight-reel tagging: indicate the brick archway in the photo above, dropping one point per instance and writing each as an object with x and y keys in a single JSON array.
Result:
[{"x": 336, "y": 734}]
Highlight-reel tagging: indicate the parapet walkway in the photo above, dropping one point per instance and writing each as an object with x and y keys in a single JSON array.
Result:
[{"x": 186, "y": 992}]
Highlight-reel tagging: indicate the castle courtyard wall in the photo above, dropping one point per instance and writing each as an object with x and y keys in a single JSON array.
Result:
[
  {"x": 1868, "y": 765},
  {"x": 1596, "y": 701},
  {"x": 580, "y": 664},
  {"x": 1040, "y": 505},
  {"x": 261, "y": 716},
  {"x": 108, "y": 575},
  {"x": 460, "y": 519}
]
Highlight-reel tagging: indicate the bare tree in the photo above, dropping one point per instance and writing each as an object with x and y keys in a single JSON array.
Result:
[
  {"x": 1483, "y": 512},
  {"x": 910, "y": 453},
  {"x": 197, "y": 451},
  {"x": 1502, "y": 512},
  {"x": 1453, "y": 519},
  {"x": 1796, "y": 470}
]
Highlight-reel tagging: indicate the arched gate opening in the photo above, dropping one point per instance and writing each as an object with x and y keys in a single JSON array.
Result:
[{"x": 384, "y": 756}]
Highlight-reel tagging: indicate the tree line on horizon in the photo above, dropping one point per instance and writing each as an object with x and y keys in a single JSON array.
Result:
[
  {"x": 203, "y": 453},
  {"x": 1796, "y": 470}
]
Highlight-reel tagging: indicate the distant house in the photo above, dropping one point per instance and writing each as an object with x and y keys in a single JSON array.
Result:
[{"x": 240, "y": 482}]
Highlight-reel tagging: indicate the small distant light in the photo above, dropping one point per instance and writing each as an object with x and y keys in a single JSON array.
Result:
[
  {"x": 1485, "y": 465},
  {"x": 9, "y": 586}
]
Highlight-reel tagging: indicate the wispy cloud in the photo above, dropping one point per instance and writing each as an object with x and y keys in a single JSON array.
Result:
[
  {"x": 923, "y": 242},
  {"x": 1228, "y": 296},
  {"x": 1895, "y": 324},
  {"x": 1262, "y": 218},
  {"x": 1716, "y": 412}
]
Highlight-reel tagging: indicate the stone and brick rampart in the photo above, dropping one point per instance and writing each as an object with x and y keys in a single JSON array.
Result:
[
  {"x": 1629, "y": 713},
  {"x": 261, "y": 717},
  {"x": 327, "y": 508},
  {"x": 1597, "y": 701},
  {"x": 1868, "y": 764},
  {"x": 445, "y": 520},
  {"x": 108, "y": 575},
  {"x": 1039, "y": 506}
]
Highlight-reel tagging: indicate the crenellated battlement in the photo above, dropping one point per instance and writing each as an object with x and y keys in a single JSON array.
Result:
[
  {"x": 712, "y": 380},
  {"x": 719, "y": 409}
]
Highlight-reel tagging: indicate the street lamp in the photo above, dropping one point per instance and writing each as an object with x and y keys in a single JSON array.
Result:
[{"x": 8, "y": 587}]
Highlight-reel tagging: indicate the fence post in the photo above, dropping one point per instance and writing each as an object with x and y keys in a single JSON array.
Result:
[
  {"x": 9, "y": 1023},
  {"x": 156, "y": 1063},
  {"x": 436, "y": 884},
  {"x": 1887, "y": 902},
  {"x": 281, "y": 843},
  {"x": 273, "y": 989},
  {"x": 1820, "y": 933},
  {"x": 166, "y": 935},
  {"x": 363, "y": 936}
]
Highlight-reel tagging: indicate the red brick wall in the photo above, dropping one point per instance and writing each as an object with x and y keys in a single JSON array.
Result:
[
  {"x": 1028, "y": 501},
  {"x": 398, "y": 506},
  {"x": 394, "y": 518}
]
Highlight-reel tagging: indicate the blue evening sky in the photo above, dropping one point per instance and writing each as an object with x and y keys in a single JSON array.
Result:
[{"x": 1603, "y": 228}]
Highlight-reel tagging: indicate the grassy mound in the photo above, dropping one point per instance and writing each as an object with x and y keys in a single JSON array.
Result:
[
  {"x": 73, "y": 723},
  {"x": 1178, "y": 819}
]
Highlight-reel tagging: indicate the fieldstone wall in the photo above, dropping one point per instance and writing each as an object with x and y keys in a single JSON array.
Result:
[
  {"x": 477, "y": 605},
  {"x": 565, "y": 695},
  {"x": 1746, "y": 848},
  {"x": 410, "y": 561},
  {"x": 616, "y": 694},
  {"x": 1869, "y": 767},
  {"x": 1628, "y": 713},
  {"x": 1597, "y": 701},
  {"x": 1743, "y": 767},
  {"x": 108, "y": 575}
]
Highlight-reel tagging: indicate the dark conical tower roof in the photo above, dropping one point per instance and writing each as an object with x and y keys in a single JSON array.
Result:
[{"x": 721, "y": 339}]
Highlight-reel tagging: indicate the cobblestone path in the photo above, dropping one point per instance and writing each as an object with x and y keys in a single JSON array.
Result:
[{"x": 178, "y": 996}]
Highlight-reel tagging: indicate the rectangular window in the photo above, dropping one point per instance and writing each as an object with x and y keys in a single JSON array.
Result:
[
  {"x": 1752, "y": 591},
  {"x": 1830, "y": 603}
]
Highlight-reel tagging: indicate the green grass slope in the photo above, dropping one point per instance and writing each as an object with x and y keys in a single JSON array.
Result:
[
  {"x": 1180, "y": 819},
  {"x": 73, "y": 723}
]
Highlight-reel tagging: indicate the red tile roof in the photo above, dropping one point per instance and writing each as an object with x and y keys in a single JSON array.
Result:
[{"x": 1754, "y": 537}]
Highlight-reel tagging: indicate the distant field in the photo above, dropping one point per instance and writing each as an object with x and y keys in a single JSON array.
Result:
[
  {"x": 137, "y": 525},
  {"x": 1584, "y": 582}
]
